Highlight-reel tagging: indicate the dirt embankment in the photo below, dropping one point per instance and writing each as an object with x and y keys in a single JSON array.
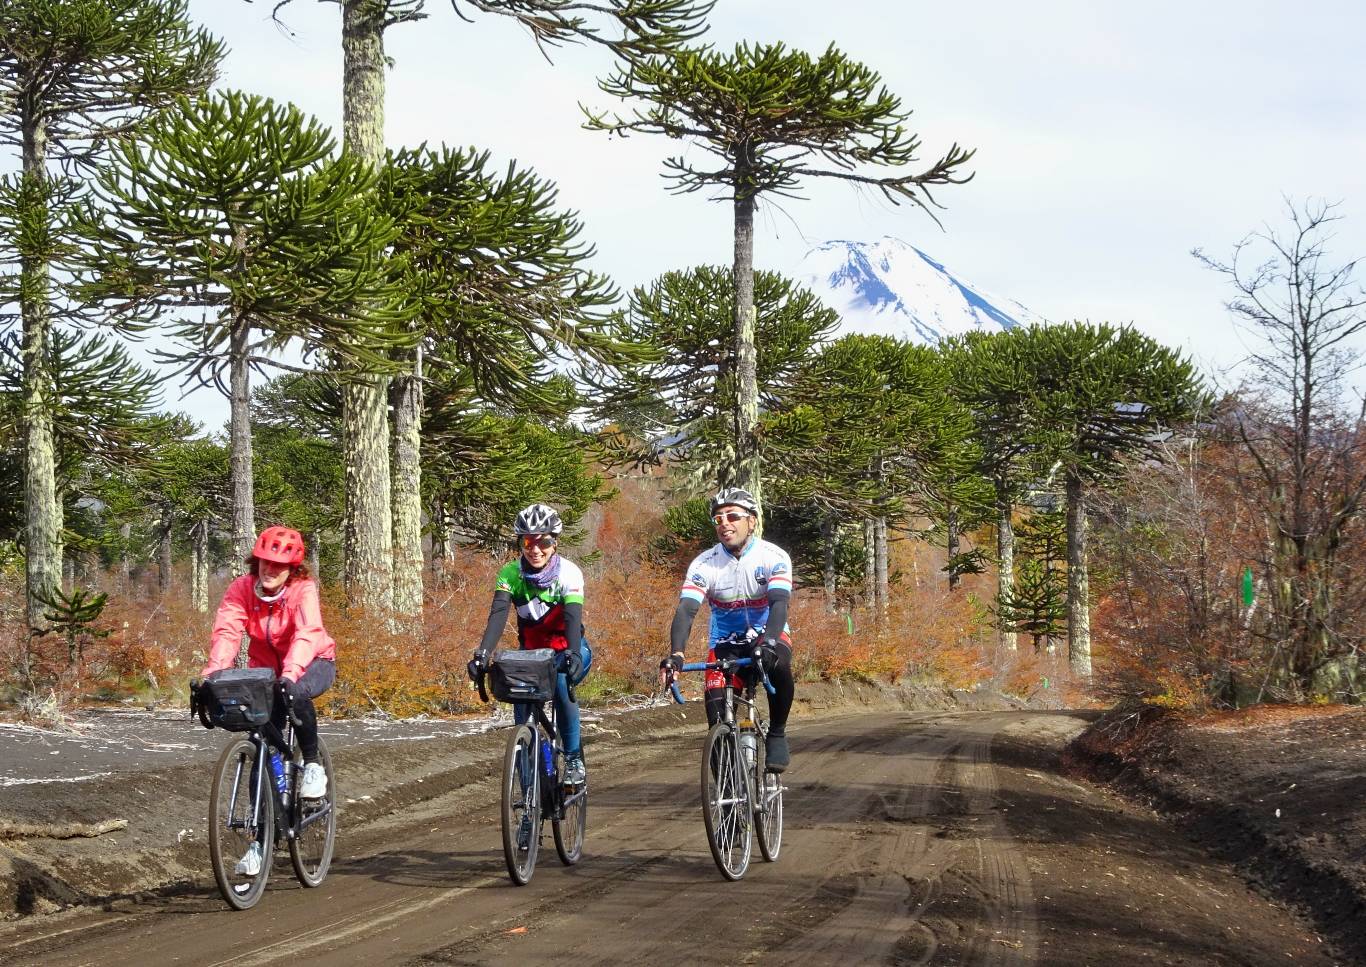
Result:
[
  {"x": 123, "y": 824},
  {"x": 1280, "y": 792}
]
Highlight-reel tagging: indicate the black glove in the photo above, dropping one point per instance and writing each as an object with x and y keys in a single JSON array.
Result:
[
  {"x": 672, "y": 664},
  {"x": 289, "y": 689},
  {"x": 573, "y": 665},
  {"x": 767, "y": 654},
  {"x": 477, "y": 666}
]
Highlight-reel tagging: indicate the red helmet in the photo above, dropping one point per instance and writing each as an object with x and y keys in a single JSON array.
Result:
[{"x": 281, "y": 545}]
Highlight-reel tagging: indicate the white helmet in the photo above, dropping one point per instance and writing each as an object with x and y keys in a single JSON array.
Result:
[
  {"x": 735, "y": 497},
  {"x": 538, "y": 519}
]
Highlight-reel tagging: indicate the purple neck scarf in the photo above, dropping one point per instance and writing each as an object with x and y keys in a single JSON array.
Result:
[{"x": 546, "y": 576}]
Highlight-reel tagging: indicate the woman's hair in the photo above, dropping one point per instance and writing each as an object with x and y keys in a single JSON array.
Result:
[{"x": 297, "y": 571}]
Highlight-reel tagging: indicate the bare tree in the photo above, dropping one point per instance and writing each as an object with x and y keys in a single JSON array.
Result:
[{"x": 1302, "y": 312}]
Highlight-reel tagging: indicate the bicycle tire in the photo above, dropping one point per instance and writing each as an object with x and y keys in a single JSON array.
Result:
[
  {"x": 727, "y": 807},
  {"x": 231, "y": 830},
  {"x": 521, "y": 800},
  {"x": 310, "y": 851},
  {"x": 768, "y": 806},
  {"x": 569, "y": 830}
]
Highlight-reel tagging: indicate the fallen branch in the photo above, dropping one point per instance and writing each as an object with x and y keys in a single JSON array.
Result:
[{"x": 10, "y": 830}]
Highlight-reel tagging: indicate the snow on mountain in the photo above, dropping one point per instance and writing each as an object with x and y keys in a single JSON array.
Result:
[{"x": 891, "y": 288}]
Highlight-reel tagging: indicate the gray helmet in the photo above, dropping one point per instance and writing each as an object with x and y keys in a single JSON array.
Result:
[
  {"x": 735, "y": 497},
  {"x": 538, "y": 519}
]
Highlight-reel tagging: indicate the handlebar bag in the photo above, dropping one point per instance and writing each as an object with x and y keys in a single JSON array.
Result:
[
  {"x": 524, "y": 676},
  {"x": 240, "y": 699}
]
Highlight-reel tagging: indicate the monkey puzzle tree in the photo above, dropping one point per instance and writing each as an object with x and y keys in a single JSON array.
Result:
[
  {"x": 646, "y": 26},
  {"x": 1098, "y": 394},
  {"x": 681, "y": 400},
  {"x": 499, "y": 286},
  {"x": 73, "y": 74},
  {"x": 235, "y": 206},
  {"x": 771, "y": 117}
]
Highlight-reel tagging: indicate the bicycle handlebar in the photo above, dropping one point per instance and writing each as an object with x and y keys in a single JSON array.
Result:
[
  {"x": 725, "y": 665},
  {"x": 201, "y": 708},
  {"x": 484, "y": 695}
]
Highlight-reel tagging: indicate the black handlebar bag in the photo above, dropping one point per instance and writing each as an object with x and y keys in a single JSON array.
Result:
[
  {"x": 524, "y": 676},
  {"x": 239, "y": 699}
]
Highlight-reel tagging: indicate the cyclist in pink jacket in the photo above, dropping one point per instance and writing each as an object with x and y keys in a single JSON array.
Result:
[{"x": 276, "y": 606}]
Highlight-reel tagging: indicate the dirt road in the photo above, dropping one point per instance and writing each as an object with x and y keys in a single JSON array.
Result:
[{"x": 911, "y": 838}]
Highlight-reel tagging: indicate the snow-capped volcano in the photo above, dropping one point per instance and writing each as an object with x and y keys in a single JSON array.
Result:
[{"x": 891, "y": 288}]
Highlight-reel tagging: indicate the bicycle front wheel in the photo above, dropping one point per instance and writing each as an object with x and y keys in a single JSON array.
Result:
[
  {"x": 521, "y": 804},
  {"x": 315, "y": 832},
  {"x": 768, "y": 810},
  {"x": 569, "y": 830},
  {"x": 241, "y": 826},
  {"x": 726, "y": 805}
]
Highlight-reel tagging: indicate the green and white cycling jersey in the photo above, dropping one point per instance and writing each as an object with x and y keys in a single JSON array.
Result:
[{"x": 540, "y": 611}]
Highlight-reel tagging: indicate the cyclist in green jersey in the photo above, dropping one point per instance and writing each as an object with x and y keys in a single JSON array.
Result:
[{"x": 547, "y": 591}]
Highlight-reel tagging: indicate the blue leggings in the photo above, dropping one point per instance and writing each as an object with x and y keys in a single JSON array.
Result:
[{"x": 567, "y": 711}]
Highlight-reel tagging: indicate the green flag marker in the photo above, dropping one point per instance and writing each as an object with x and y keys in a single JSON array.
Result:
[
  {"x": 1248, "y": 594},
  {"x": 849, "y": 623}
]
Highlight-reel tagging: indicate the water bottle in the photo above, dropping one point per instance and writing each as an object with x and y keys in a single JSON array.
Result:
[
  {"x": 749, "y": 745},
  {"x": 549, "y": 757},
  {"x": 277, "y": 770}
]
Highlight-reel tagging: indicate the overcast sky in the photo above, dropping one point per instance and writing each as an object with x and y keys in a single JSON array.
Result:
[{"x": 1111, "y": 138}]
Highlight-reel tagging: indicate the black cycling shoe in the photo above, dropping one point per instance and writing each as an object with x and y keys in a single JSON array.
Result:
[{"x": 777, "y": 757}]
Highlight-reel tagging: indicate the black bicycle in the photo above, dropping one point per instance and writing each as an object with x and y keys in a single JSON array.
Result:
[
  {"x": 253, "y": 805},
  {"x": 739, "y": 795},
  {"x": 534, "y": 787}
]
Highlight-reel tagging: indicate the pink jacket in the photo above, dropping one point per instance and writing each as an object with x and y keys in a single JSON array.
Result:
[{"x": 286, "y": 634}]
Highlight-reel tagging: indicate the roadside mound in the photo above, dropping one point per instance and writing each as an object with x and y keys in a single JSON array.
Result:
[{"x": 1278, "y": 790}]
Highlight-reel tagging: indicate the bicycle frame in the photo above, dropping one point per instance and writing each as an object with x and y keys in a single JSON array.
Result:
[{"x": 290, "y": 820}]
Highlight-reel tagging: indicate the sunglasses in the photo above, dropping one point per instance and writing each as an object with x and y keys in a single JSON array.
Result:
[
  {"x": 729, "y": 517},
  {"x": 543, "y": 541}
]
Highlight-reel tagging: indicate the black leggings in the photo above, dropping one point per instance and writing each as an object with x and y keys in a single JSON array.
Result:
[
  {"x": 316, "y": 679},
  {"x": 779, "y": 703}
]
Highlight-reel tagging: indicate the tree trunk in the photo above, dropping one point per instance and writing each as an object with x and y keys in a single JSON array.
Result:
[
  {"x": 1005, "y": 556},
  {"x": 164, "y": 559},
  {"x": 883, "y": 589},
  {"x": 408, "y": 491},
  {"x": 315, "y": 555},
  {"x": 951, "y": 526},
  {"x": 1078, "y": 611},
  {"x": 367, "y": 526},
  {"x": 748, "y": 469},
  {"x": 870, "y": 563},
  {"x": 199, "y": 566},
  {"x": 125, "y": 565},
  {"x": 830, "y": 536},
  {"x": 42, "y": 512},
  {"x": 239, "y": 444}
]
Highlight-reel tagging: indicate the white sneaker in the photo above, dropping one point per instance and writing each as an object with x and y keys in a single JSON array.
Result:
[
  {"x": 250, "y": 863},
  {"x": 575, "y": 772},
  {"x": 314, "y": 785}
]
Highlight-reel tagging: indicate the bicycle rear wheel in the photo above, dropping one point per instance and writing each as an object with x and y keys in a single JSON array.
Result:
[
  {"x": 521, "y": 805},
  {"x": 316, "y": 834},
  {"x": 241, "y": 815},
  {"x": 569, "y": 831},
  {"x": 768, "y": 808},
  {"x": 726, "y": 808}
]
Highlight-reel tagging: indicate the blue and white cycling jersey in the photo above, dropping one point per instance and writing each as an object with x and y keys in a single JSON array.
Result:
[{"x": 738, "y": 587}]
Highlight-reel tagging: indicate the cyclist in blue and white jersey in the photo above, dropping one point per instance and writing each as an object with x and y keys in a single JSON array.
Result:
[{"x": 748, "y": 583}]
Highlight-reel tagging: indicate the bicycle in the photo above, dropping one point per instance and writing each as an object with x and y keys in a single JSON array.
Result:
[
  {"x": 738, "y": 792},
  {"x": 534, "y": 764},
  {"x": 250, "y": 803}
]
